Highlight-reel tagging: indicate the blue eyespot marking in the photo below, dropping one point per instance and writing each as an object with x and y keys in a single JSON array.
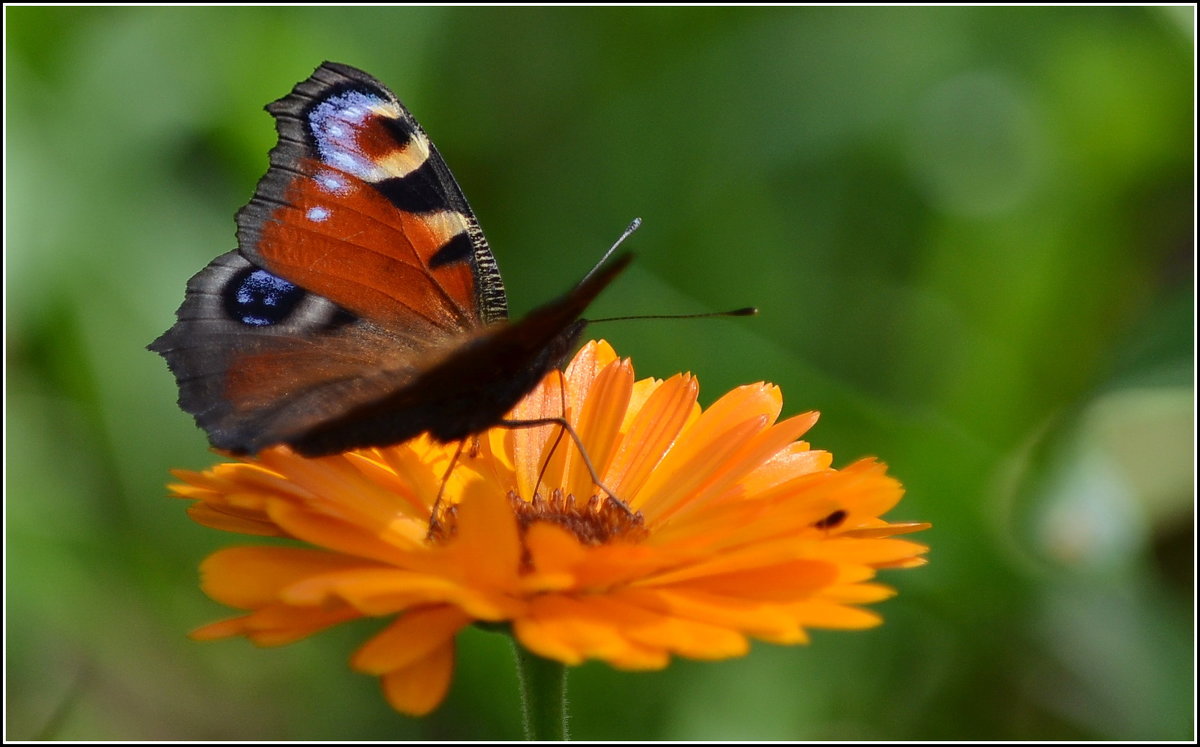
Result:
[
  {"x": 334, "y": 123},
  {"x": 257, "y": 298}
]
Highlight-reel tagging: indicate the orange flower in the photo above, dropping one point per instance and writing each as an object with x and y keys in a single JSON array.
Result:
[{"x": 734, "y": 529}]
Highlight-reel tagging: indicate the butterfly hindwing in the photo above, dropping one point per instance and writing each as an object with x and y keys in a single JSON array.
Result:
[{"x": 259, "y": 360}]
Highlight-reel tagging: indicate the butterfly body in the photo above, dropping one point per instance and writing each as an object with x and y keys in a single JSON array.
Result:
[{"x": 363, "y": 305}]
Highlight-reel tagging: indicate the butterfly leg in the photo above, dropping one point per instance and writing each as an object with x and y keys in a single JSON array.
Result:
[
  {"x": 562, "y": 401},
  {"x": 546, "y": 462},
  {"x": 435, "y": 524},
  {"x": 587, "y": 461}
]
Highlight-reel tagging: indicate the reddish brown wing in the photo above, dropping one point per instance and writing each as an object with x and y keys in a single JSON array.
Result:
[
  {"x": 363, "y": 305},
  {"x": 359, "y": 207}
]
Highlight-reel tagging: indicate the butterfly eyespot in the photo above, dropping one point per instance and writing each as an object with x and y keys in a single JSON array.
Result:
[
  {"x": 350, "y": 107},
  {"x": 338, "y": 126},
  {"x": 832, "y": 521},
  {"x": 257, "y": 298}
]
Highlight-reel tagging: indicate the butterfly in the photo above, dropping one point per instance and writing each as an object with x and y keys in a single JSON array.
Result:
[{"x": 363, "y": 305}]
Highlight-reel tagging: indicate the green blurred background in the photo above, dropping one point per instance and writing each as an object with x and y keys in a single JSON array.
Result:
[{"x": 969, "y": 231}]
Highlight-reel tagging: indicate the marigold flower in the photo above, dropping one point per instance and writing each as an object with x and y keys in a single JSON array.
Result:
[{"x": 734, "y": 529}]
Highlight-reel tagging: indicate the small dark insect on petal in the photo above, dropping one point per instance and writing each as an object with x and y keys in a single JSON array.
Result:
[{"x": 832, "y": 520}]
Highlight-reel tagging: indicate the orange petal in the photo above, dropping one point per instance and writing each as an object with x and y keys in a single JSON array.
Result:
[
  {"x": 527, "y": 445},
  {"x": 384, "y": 591},
  {"x": 707, "y": 443},
  {"x": 249, "y": 577},
  {"x": 411, "y": 638},
  {"x": 903, "y": 563},
  {"x": 403, "y": 472},
  {"x": 650, "y": 435},
  {"x": 247, "y": 477},
  {"x": 599, "y": 422},
  {"x": 795, "y": 460},
  {"x": 778, "y": 582},
  {"x": 234, "y": 519},
  {"x": 220, "y": 629},
  {"x": 858, "y": 593},
  {"x": 888, "y": 530},
  {"x": 755, "y": 617},
  {"x": 582, "y": 371},
  {"x": 391, "y": 544},
  {"x": 867, "y": 552},
  {"x": 554, "y": 554},
  {"x": 617, "y": 563},
  {"x": 338, "y": 489},
  {"x": 558, "y": 627},
  {"x": 420, "y": 687},
  {"x": 815, "y": 613},
  {"x": 751, "y": 455},
  {"x": 486, "y": 551},
  {"x": 276, "y": 625},
  {"x": 679, "y": 635},
  {"x": 876, "y": 492},
  {"x": 642, "y": 389},
  {"x": 719, "y": 558}
]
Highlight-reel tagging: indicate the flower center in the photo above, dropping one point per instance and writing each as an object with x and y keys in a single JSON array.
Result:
[
  {"x": 593, "y": 523},
  {"x": 599, "y": 520}
]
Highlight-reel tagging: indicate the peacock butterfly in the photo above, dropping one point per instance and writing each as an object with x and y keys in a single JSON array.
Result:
[{"x": 363, "y": 305}]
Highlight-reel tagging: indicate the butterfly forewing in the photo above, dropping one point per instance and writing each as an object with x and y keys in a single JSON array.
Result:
[{"x": 359, "y": 203}]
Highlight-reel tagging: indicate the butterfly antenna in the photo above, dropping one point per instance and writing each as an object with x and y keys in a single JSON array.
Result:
[
  {"x": 635, "y": 225},
  {"x": 747, "y": 311}
]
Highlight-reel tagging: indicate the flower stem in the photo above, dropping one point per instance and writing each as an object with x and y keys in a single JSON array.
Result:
[{"x": 543, "y": 696}]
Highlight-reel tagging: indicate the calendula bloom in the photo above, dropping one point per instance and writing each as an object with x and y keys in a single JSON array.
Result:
[{"x": 730, "y": 528}]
